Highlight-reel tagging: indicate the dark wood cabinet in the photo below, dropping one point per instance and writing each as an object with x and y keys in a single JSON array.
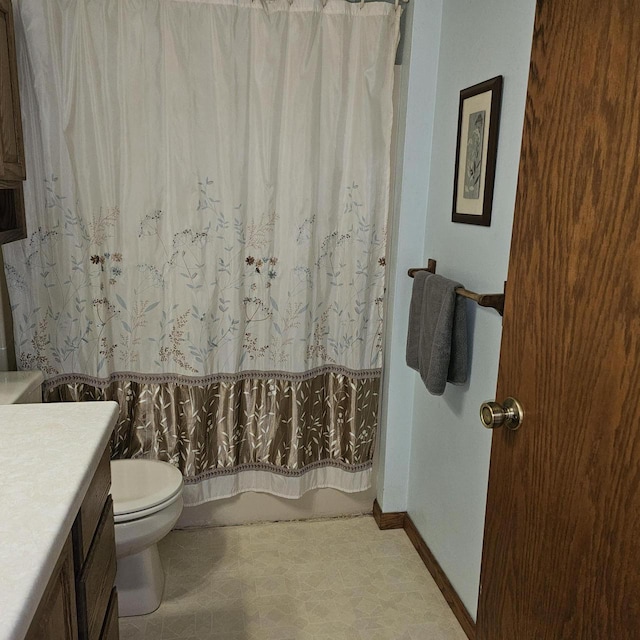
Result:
[
  {"x": 12, "y": 165},
  {"x": 11, "y": 145},
  {"x": 12, "y": 221},
  {"x": 95, "y": 554},
  {"x": 56, "y": 618},
  {"x": 110, "y": 629},
  {"x": 80, "y": 601}
]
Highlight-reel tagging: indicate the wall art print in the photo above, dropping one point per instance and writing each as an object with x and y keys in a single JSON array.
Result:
[{"x": 476, "y": 151}]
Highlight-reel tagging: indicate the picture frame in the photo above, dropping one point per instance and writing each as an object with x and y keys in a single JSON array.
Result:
[{"x": 476, "y": 152}]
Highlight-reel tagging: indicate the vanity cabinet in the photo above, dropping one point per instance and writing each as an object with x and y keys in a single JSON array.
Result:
[
  {"x": 12, "y": 165},
  {"x": 80, "y": 601},
  {"x": 12, "y": 221},
  {"x": 11, "y": 145},
  {"x": 94, "y": 548},
  {"x": 56, "y": 618}
]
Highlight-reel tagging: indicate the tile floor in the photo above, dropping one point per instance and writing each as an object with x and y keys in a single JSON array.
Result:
[{"x": 339, "y": 579}]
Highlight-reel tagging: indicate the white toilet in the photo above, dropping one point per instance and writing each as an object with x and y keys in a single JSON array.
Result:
[{"x": 147, "y": 502}]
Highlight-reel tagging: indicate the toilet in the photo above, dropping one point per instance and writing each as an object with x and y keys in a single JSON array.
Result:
[{"x": 147, "y": 502}]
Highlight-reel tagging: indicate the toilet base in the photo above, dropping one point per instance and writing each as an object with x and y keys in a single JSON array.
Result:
[{"x": 140, "y": 582}]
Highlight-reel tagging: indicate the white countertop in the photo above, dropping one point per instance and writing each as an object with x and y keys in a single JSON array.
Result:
[{"x": 48, "y": 456}]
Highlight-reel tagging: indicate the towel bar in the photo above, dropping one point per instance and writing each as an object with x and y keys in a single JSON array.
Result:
[{"x": 493, "y": 300}]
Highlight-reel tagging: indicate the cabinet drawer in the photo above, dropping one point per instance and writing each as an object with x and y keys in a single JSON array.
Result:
[
  {"x": 87, "y": 521},
  {"x": 110, "y": 629},
  {"x": 95, "y": 583}
]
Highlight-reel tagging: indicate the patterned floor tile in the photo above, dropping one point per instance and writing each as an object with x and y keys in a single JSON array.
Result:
[{"x": 338, "y": 579}]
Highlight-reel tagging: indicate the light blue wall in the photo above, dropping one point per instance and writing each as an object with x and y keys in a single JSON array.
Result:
[
  {"x": 415, "y": 104},
  {"x": 449, "y": 449}
]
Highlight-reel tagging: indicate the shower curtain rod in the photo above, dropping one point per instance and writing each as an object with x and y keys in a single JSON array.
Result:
[
  {"x": 387, "y": 1},
  {"x": 396, "y": 2},
  {"x": 361, "y": 1}
]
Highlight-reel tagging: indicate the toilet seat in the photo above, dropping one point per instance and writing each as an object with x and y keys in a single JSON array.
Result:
[
  {"x": 143, "y": 513},
  {"x": 140, "y": 488}
]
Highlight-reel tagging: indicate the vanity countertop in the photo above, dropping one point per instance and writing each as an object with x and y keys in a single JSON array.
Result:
[{"x": 48, "y": 456}]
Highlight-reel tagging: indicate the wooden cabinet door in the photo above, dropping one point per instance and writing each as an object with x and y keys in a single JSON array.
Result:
[
  {"x": 561, "y": 558},
  {"x": 110, "y": 629},
  {"x": 55, "y": 618},
  {"x": 94, "y": 584},
  {"x": 11, "y": 144}
]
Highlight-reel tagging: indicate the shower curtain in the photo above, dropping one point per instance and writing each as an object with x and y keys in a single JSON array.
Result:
[{"x": 207, "y": 195}]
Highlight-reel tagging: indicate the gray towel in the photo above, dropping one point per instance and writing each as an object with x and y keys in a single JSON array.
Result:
[
  {"x": 415, "y": 322},
  {"x": 437, "y": 335}
]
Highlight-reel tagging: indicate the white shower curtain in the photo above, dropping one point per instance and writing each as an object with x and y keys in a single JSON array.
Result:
[{"x": 207, "y": 195}]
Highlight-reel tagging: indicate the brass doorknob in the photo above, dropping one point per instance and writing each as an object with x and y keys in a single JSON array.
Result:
[{"x": 509, "y": 414}]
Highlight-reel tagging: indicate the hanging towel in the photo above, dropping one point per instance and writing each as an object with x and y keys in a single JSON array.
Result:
[
  {"x": 415, "y": 322},
  {"x": 437, "y": 334}
]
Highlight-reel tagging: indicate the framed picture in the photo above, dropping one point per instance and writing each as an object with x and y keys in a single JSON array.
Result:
[{"x": 477, "y": 147}]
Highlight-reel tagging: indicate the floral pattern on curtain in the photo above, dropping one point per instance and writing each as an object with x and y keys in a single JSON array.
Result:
[{"x": 207, "y": 201}]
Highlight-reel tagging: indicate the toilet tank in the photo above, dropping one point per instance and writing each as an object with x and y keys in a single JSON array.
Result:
[{"x": 20, "y": 387}]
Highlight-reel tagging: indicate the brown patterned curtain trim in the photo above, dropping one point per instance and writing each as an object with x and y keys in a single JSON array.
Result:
[
  {"x": 162, "y": 378},
  {"x": 276, "y": 425},
  {"x": 290, "y": 473}
]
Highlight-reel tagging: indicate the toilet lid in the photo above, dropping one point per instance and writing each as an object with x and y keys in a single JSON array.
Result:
[{"x": 137, "y": 485}]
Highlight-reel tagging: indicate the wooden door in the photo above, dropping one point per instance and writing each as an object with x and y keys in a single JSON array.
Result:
[{"x": 561, "y": 555}]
